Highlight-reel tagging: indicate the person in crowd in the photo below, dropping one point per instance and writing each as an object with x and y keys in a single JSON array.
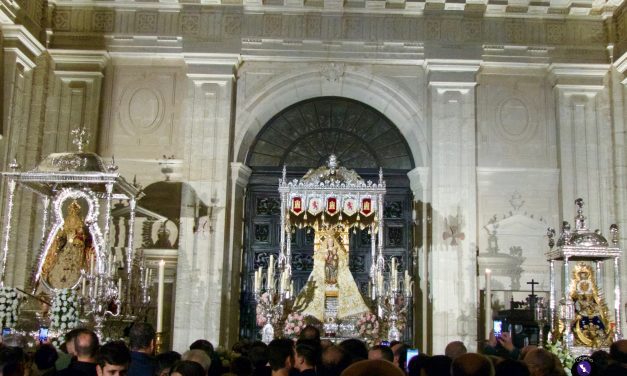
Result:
[
  {"x": 85, "y": 346},
  {"x": 510, "y": 367},
  {"x": 67, "y": 352},
  {"x": 472, "y": 364},
  {"x": 281, "y": 356},
  {"x": 187, "y": 368},
  {"x": 374, "y": 367},
  {"x": 113, "y": 359},
  {"x": 355, "y": 349},
  {"x": 12, "y": 361},
  {"x": 437, "y": 365},
  {"x": 543, "y": 363},
  {"x": 326, "y": 343},
  {"x": 455, "y": 349},
  {"x": 400, "y": 355},
  {"x": 502, "y": 346},
  {"x": 44, "y": 359},
  {"x": 601, "y": 360},
  {"x": 142, "y": 340},
  {"x": 199, "y": 357},
  {"x": 306, "y": 358},
  {"x": 310, "y": 332},
  {"x": 258, "y": 355},
  {"x": 165, "y": 361},
  {"x": 334, "y": 361},
  {"x": 381, "y": 352},
  {"x": 241, "y": 366},
  {"x": 216, "y": 366},
  {"x": 618, "y": 356},
  {"x": 417, "y": 364}
]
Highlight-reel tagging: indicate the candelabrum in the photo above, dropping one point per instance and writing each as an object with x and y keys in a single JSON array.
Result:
[
  {"x": 104, "y": 300},
  {"x": 541, "y": 317},
  {"x": 393, "y": 302},
  {"x": 567, "y": 314},
  {"x": 272, "y": 301}
]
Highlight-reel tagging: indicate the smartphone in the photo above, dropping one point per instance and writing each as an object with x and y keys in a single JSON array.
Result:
[
  {"x": 385, "y": 343},
  {"x": 497, "y": 327},
  {"x": 410, "y": 354},
  {"x": 6, "y": 331},
  {"x": 43, "y": 334}
]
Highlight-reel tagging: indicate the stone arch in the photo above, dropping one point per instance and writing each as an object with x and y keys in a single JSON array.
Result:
[{"x": 390, "y": 100}]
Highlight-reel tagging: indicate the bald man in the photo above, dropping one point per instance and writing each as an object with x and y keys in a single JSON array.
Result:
[
  {"x": 455, "y": 349},
  {"x": 85, "y": 347},
  {"x": 472, "y": 364}
]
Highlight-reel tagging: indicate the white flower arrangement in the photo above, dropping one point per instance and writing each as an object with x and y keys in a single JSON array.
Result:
[
  {"x": 294, "y": 324},
  {"x": 64, "y": 311},
  {"x": 9, "y": 306},
  {"x": 563, "y": 354},
  {"x": 368, "y": 326}
]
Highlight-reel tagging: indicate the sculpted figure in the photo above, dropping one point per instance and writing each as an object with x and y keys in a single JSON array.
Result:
[{"x": 331, "y": 263}]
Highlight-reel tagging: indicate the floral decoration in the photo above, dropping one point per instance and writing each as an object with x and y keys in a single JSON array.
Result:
[
  {"x": 266, "y": 307},
  {"x": 294, "y": 324},
  {"x": 9, "y": 306},
  {"x": 563, "y": 354},
  {"x": 64, "y": 311},
  {"x": 368, "y": 327}
]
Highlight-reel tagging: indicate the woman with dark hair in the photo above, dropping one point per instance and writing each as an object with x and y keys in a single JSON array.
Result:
[{"x": 187, "y": 368}]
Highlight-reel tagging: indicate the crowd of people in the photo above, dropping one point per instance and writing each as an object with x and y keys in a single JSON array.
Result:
[{"x": 81, "y": 354}]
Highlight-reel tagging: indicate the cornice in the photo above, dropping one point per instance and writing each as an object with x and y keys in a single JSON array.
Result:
[
  {"x": 590, "y": 76},
  {"x": 79, "y": 60},
  {"x": 18, "y": 38}
]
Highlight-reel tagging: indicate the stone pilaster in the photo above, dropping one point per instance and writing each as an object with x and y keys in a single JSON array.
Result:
[
  {"x": 453, "y": 293},
  {"x": 202, "y": 286},
  {"x": 584, "y": 142}
]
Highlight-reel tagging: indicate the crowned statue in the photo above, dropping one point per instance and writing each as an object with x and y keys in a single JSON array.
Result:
[
  {"x": 591, "y": 326},
  {"x": 69, "y": 252}
]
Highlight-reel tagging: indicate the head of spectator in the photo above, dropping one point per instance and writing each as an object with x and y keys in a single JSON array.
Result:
[
  {"x": 198, "y": 356},
  {"x": 165, "y": 361},
  {"x": 355, "y": 349},
  {"x": 511, "y": 367},
  {"x": 455, "y": 349},
  {"x": 113, "y": 359},
  {"x": 12, "y": 361},
  {"x": 375, "y": 367},
  {"x": 417, "y": 364},
  {"x": 310, "y": 332},
  {"x": 187, "y": 368},
  {"x": 258, "y": 354},
  {"x": 281, "y": 356},
  {"x": 142, "y": 338},
  {"x": 381, "y": 352},
  {"x": 45, "y": 357},
  {"x": 525, "y": 350},
  {"x": 242, "y": 347},
  {"x": 601, "y": 360},
  {"x": 86, "y": 346},
  {"x": 542, "y": 362},
  {"x": 618, "y": 352},
  {"x": 334, "y": 360},
  {"x": 241, "y": 366},
  {"x": 437, "y": 365},
  {"x": 306, "y": 356},
  {"x": 204, "y": 345},
  {"x": 471, "y": 364},
  {"x": 69, "y": 341},
  {"x": 400, "y": 354}
]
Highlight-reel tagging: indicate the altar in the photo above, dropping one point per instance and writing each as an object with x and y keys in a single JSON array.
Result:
[{"x": 331, "y": 201}]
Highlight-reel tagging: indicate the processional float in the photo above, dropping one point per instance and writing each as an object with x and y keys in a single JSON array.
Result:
[
  {"x": 332, "y": 200},
  {"x": 579, "y": 315},
  {"x": 76, "y": 266}
]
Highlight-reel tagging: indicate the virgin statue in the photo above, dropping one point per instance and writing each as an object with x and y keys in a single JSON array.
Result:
[
  {"x": 331, "y": 274},
  {"x": 69, "y": 252},
  {"x": 591, "y": 326}
]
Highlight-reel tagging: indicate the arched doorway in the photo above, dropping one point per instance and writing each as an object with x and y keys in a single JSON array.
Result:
[{"x": 302, "y": 136}]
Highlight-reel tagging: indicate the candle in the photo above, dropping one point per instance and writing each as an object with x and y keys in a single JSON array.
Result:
[
  {"x": 96, "y": 286},
  {"x": 120, "y": 288},
  {"x": 380, "y": 283},
  {"x": 84, "y": 285},
  {"x": 408, "y": 291},
  {"x": 271, "y": 273},
  {"x": 160, "y": 296},
  {"x": 91, "y": 266},
  {"x": 394, "y": 274},
  {"x": 488, "y": 302}
]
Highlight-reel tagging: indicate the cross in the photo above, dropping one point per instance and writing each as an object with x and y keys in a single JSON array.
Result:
[
  {"x": 533, "y": 284},
  {"x": 81, "y": 138}
]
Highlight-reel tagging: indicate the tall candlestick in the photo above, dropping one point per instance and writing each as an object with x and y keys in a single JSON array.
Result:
[
  {"x": 160, "y": 296},
  {"x": 488, "y": 302}
]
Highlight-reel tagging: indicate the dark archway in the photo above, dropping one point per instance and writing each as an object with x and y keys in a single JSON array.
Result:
[{"x": 301, "y": 137}]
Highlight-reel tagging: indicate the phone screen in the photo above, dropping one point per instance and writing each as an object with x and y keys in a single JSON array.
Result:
[
  {"x": 385, "y": 343},
  {"x": 497, "y": 327},
  {"x": 410, "y": 354},
  {"x": 43, "y": 334},
  {"x": 6, "y": 331}
]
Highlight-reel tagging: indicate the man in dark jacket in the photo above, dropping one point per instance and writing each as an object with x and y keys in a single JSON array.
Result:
[
  {"x": 142, "y": 341},
  {"x": 85, "y": 347}
]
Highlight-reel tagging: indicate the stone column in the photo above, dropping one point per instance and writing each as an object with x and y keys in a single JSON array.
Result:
[
  {"x": 202, "y": 285},
  {"x": 584, "y": 142},
  {"x": 453, "y": 199}
]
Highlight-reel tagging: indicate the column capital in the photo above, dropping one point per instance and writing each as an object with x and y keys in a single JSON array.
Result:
[
  {"x": 240, "y": 173},
  {"x": 452, "y": 72},
  {"x": 621, "y": 65},
  {"x": 202, "y": 66},
  {"x": 79, "y": 61},
  {"x": 18, "y": 39},
  {"x": 578, "y": 76},
  {"x": 419, "y": 182}
]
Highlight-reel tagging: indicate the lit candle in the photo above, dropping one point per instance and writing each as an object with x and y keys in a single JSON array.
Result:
[
  {"x": 488, "y": 302},
  {"x": 160, "y": 296}
]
